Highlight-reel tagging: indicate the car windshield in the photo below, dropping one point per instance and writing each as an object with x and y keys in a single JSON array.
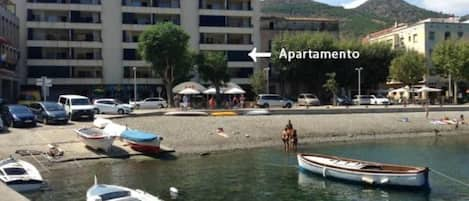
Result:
[
  {"x": 80, "y": 101},
  {"x": 19, "y": 109},
  {"x": 53, "y": 107}
]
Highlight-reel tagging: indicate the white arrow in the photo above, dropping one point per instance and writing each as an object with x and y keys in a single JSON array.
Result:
[{"x": 254, "y": 54}]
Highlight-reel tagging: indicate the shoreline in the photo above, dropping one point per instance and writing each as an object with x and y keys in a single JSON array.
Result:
[{"x": 197, "y": 136}]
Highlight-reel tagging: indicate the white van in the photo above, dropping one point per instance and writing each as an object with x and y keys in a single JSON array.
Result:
[{"x": 77, "y": 107}]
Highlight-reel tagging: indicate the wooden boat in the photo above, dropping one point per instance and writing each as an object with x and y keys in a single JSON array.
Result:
[
  {"x": 101, "y": 192},
  {"x": 186, "y": 113},
  {"x": 224, "y": 114},
  {"x": 20, "y": 175},
  {"x": 364, "y": 172},
  {"x": 95, "y": 138},
  {"x": 142, "y": 142}
]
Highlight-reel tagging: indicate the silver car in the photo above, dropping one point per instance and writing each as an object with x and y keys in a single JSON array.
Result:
[
  {"x": 273, "y": 100},
  {"x": 308, "y": 99},
  {"x": 111, "y": 106}
]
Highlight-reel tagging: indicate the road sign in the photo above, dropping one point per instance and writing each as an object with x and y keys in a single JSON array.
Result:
[{"x": 44, "y": 83}]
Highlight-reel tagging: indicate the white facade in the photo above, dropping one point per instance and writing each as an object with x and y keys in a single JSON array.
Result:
[{"x": 94, "y": 42}]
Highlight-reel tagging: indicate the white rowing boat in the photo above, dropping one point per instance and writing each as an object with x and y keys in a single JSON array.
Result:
[
  {"x": 20, "y": 175},
  {"x": 363, "y": 171},
  {"x": 103, "y": 192}
]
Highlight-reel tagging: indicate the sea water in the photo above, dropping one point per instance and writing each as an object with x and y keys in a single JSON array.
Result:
[{"x": 271, "y": 174}]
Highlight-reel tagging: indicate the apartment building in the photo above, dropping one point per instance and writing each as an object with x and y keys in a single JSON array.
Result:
[
  {"x": 89, "y": 47},
  {"x": 274, "y": 26},
  {"x": 422, "y": 37},
  {"x": 9, "y": 53}
]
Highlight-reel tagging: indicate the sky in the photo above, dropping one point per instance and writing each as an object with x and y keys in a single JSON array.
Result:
[{"x": 458, "y": 7}]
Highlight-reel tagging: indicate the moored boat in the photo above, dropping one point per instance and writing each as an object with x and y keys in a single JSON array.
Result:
[
  {"x": 142, "y": 142},
  {"x": 95, "y": 138},
  {"x": 20, "y": 175},
  {"x": 101, "y": 192},
  {"x": 371, "y": 173}
]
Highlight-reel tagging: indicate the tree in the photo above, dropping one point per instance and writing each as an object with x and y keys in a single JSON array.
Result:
[
  {"x": 450, "y": 58},
  {"x": 258, "y": 81},
  {"x": 331, "y": 86},
  {"x": 165, "y": 46},
  {"x": 213, "y": 67},
  {"x": 408, "y": 68}
]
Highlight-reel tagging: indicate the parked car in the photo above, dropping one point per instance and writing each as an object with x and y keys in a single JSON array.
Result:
[
  {"x": 77, "y": 107},
  {"x": 379, "y": 100},
  {"x": 2, "y": 126},
  {"x": 273, "y": 100},
  {"x": 308, "y": 99},
  {"x": 111, "y": 106},
  {"x": 364, "y": 100},
  {"x": 344, "y": 100},
  {"x": 49, "y": 112},
  {"x": 18, "y": 116},
  {"x": 150, "y": 103}
]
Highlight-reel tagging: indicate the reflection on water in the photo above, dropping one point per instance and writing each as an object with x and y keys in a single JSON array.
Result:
[{"x": 271, "y": 174}]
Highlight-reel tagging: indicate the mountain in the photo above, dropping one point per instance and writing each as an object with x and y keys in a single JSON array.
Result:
[
  {"x": 397, "y": 10},
  {"x": 352, "y": 23},
  {"x": 371, "y": 16}
]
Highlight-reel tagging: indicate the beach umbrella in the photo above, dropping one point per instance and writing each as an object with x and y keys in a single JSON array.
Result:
[
  {"x": 428, "y": 89},
  {"x": 213, "y": 91},
  {"x": 235, "y": 91},
  {"x": 184, "y": 85},
  {"x": 189, "y": 91}
]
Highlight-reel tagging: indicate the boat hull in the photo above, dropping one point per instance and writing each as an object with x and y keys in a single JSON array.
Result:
[
  {"x": 104, "y": 144},
  {"x": 414, "y": 180},
  {"x": 151, "y": 147}
]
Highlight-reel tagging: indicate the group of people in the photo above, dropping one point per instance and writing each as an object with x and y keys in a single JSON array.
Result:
[
  {"x": 233, "y": 102},
  {"x": 289, "y": 137}
]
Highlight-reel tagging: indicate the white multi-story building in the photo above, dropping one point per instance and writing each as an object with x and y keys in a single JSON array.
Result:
[
  {"x": 90, "y": 46},
  {"x": 8, "y": 51}
]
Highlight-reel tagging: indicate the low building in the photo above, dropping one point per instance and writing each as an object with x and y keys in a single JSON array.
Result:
[
  {"x": 273, "y": 26},
  {"x": 422, "y": 37},
  {"x": 9, "y": 54}
]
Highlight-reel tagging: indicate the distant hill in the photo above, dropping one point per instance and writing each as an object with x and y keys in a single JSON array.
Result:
[
  {"x": 397, "y": 10},
  {"x": 371, "y": 16},
  {"x": 352, "y": 23}
]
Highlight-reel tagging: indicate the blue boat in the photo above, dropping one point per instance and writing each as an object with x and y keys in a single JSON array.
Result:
[
  {"x": 138, "y": 136},
  {"x": 142, "y": 142}
]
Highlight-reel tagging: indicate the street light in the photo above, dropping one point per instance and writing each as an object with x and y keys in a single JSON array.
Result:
[
  {"x": 266, "y": 70},
  {"x": 359, "y": 84},
  {"x": 135, "y": 83}
]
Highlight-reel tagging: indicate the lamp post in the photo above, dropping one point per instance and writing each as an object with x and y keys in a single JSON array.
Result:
[
  {"x": 135, "y": 83},
  {"x": 359, "y": 84},
  {"x": 266, "y": 70}
]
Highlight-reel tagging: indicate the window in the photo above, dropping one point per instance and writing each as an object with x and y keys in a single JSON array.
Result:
[
  {"x": 447, "y": 35},
  {"x": 460, "y": 34},
  {"x": 415, "y": 38},
  {"x": 431, "y": 35}
]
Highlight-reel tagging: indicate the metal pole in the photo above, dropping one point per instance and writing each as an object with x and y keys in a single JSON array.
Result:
[
  {"x": 266, "y": 70},
  {"x": 44, "y": 95},
  {"x": 135, "y": 83},
  {"x": 359, "y": 84}
]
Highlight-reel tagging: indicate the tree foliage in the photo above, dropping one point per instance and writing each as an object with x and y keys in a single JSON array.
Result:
[
  {"x": 331, "y": 85},
  {"x": 213, "y": 67},
  {"x": 452, "y": 58},
  {"x": 409, "y": 68},
  {"x": 258, "y": 81},
  {"x": 165, "y": 46}
]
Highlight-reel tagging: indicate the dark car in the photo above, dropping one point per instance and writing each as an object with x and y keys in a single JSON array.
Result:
[
  {"x": 49, "y": 112},
  {"x": 344, "y": 100},
  {"x": 18, "y": 116}
]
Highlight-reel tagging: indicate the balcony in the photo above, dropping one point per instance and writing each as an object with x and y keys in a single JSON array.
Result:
[
  {"x": 152, "y": 3},
  {"x": 64, "y": 35},
  {"x": 239, "y": 5},
  {"x": 92, "y": 2},
  {"x": 64, "y": 16},
  {"x": 64, "y": 53}
]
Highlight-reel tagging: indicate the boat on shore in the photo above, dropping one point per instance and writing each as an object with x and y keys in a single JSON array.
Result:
[
  {"x": 95, "y": 139},
  {"x": 142, "y": 142},
  {"x": 371, "y": 173},
  {"x": 20, "y": 175},
  {"x": 101, "y": 192}
]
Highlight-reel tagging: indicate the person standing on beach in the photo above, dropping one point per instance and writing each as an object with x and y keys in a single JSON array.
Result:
[
  {"x": 427, "y": 112},
  {"x": 285, "y": 139},
  {"x": 294, "y": 140},
  {"x": 177, "y": 100},
  {"x": 241, "y": 101}
]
